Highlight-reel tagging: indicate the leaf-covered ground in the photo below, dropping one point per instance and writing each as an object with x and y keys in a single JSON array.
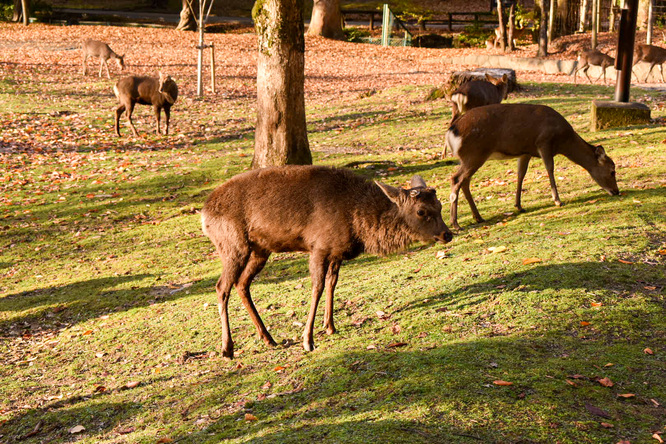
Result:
[{"x": 547, "y": 326}]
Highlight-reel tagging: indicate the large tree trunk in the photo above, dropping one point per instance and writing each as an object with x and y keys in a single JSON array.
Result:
[
  {"x": 543, "y": 28},
  {"x": 326, "y": 19},
  {"x": 187, "y": 20},
  {"x": 281, "y": 135}
]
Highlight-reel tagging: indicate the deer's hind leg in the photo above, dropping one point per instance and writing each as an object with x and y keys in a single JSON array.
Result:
[{"x": 252, "y": 268}]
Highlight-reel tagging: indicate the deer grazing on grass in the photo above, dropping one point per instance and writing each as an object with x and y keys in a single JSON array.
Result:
[
  {"x": 94, "y": 48},
  {"x": 160, "y": 92},
  {"x": 654, "y": 55},
  {"x": 594, "y": 58},
  {"x": 524, "y": 131},
  {"x": 332, "y": 214}
]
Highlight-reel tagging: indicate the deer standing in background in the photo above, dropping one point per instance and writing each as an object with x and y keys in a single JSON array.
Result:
[
  {"x": 94, "y": 48},
  {"x": 330, "y": 213},
  {"x": 161, "y": 93},
  {"x": 654, "y": 55},
  {"x": 524, "y": 131},
  {"x": 477, "y": 93},
  {"x": 595, "y": 58}
]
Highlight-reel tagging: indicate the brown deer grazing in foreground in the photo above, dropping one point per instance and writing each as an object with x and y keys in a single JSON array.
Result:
[
  {"x": 332, "y": 214},
  {"x": 654, "y": 55},
  {"x": 94, "y": 48},
  {"x": 477, "y": 93},
  {"x": 595, "y": 58},
  {"x": 161, "y": 93},
  {"x": 524, "y": 131}
]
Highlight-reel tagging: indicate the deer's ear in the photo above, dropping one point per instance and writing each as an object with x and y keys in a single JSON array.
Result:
[
  {"x": 505, "y": 78},
  {"x": 392, "y": 193}
]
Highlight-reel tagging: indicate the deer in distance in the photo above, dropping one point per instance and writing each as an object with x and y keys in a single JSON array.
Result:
[
  {"x": 332, "y": 214},
  {"x": 654, "y": 55},
  {"x": 160, "y": 92},
  {"x": 504, "y": 131},
  {"x": 593, "y": 57},
  {"x": 102, "y": 51}
]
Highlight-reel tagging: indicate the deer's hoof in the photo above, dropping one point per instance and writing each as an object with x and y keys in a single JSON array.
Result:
[
  {"x": 330, "y": 330},
  {"x": 228, "y": 353},
  {"x": 308, "y": 346}
]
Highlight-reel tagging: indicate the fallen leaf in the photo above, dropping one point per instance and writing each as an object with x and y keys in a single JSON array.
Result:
[
  {"x": 607, "y": 425},
  {"x": 648, "y": 351},
  {"x": 624, "y": 262},
  {"x": 606, "y": 382},
  {"x": 597, "y": 411},
  {"x": 577, "y": 376},
  {"x": 655, "y": 402},
  {"x": 442, "y": 254},
  {"x": 250, "y": 417},
  {"x": 597, "y": 304},
  {"x": 626, "y": 395},
  {"x": 76, "y": 429},
  {"x": 610, "y": 364},
  {"x": 584, "y": 323},
  {"x": 650, "y": 287},
  {"x": 662, "y": 252},
  {"x": 132, "y": 384},
  {"x": 570, "y": 382},
  {"x": 531, "y": 260},
  {"x": 279, "y": 368},
  {"x": 164, "y": 441},
  {"x": 657, "y": 437},
  {"x": 126, "y": 430},
  {"x": 86, "y": 333},
  {"x": 397, "y": 344},
  {"x": 267, "y": 385},
  {"x": 499, "y": 249},
  {"x": 503, "y": 383},
  {"x": 395, "y": 329}
]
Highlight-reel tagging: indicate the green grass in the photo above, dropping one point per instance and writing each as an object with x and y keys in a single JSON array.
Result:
[{"x": 107, "y": 282}]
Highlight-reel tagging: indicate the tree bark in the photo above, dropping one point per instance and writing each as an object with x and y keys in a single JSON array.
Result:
[
  {"x": 187, "y": 20},
  {"x": 502, "y": 27},
  {"x": 326, "y": 19},
  {"x": 543, "y": 29},
  {"x": 512, "y": 27},
  {"x": 583, "y": 15},
  {"x": 643, "y": 14},
  {"x": 281, "y": 134},
  {"x": 21, "y": 12}
]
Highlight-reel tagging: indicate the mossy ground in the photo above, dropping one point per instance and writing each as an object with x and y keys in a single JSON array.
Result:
[{"x": 108, "y": 311}]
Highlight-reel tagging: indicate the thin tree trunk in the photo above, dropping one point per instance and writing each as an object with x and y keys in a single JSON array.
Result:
[
  {"x": 543, "y": 29},
  {"x": 595, "y": 22},
  {"x": 551, "y": 20},
  {"x": 512, "y": 27},
  {"x": 502, "y": 27},
  {"x": 25, "y": 4},
  {"x": 326, "y": 19},
  {"x": 281, "y": 134},
  {"x": 18, "y": 9},
  {"x": 187, "y": 19},
  {"x": 583, "y": 15}
]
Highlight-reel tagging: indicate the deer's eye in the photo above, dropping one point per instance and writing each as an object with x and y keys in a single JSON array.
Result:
[{"x": 420, "y": 213}]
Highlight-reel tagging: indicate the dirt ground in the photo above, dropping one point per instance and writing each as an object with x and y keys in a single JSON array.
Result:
[{"x": 333, "y": 68}]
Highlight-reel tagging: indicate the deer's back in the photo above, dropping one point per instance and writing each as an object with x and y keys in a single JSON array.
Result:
[
  {"x": 293, "y": 208},
  {"x": 510, "y": 130},
  {"x": 651, "y": 53},
  {"x": 96, "y": 48},
  {"x": 140, "y": 89}
]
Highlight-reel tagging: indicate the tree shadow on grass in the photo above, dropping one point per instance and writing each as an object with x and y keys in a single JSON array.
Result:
[{"x": 364, "y": 396}]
